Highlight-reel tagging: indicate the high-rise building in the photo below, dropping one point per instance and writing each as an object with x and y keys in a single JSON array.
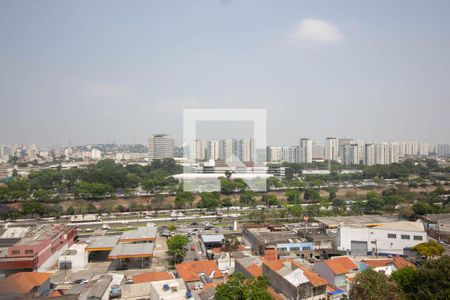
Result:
[
  {"x": 342, "y": 146},
  {"x": 318, "y": 151},
  {"x": 274, "y": 154},
  {"x": 381, "y": 153},
  {"x": 369, "y": 154},
  {"x": 331, "y": 149},
  {"x": 393, "y": 153},
  {"x": 160, "y": 146},
  {"x": 290, "y": 154},
  {"x": 197, "y": 150},
  {"x": 225, "y": 149},
  {"x": 246, "y": 150},
  {"x": 350, "y": 154},
  {"x": 305, "y": 151},
  {"x": 212, "y": 150}
]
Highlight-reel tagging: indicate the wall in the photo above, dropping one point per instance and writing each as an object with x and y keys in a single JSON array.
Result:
[{"x": 384, "y": 244}]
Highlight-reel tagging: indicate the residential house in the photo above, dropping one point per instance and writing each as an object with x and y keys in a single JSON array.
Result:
[
  {"x": 295, "y": 281},
  {"x": 338, "y": 271}
]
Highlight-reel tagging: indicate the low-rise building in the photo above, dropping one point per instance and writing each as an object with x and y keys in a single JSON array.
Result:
[
  {"x": 385, "y": 265},
  {"x": 318, "y": 237},
  {"x": 287, "y": 242},
  {"x": 197, "y": 273},
  {"x": 386, "y": 238},
  {"x": 295, "y": 281},
  {"x": 338, "y": 271},
  {"x": 25, "y": 285},
  {"x": 76, "y": 257},
  {"x": 38, "y": 249},
  {"x": 174, "y": 289}
]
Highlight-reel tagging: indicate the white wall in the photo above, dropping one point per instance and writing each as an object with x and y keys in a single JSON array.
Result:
[{"x": 346, "y": 234}]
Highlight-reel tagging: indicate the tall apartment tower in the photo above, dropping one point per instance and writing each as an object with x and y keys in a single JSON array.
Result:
[
  {"x": 305, "y": 151},
  {"x": 369, "y": 154},
  {"x": 331, "y": 150},
  {"x": 350, "y": 154},
  {"x": 212, "y": 150},
  {"x": 290, "y": 154},
  {"x": 160, "y": 146},
  {"x": 225, "y": 149}
]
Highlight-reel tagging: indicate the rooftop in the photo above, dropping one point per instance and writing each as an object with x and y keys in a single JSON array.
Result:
[
  {"x": 103, "y": 243},
  {"x": 397, "y": 261},
  {"x": 140, "y": 234},
  {"x": 403, "y": 226},
  {"x": 355, "y": 220},
  {"x": 212, "y": 238},
  {"x": 139, "y": 250},
  {"x": 294, "y": 272},
  {"x": 191, "y": 270},
  {"x": 152, "y": 276},
  {"x": 341, "y": 265},
  {"x": 23, "y": 282}
]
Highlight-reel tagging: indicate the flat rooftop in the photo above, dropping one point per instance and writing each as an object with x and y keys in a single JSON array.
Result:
[
  {"x": 140, "y": 250},
  {"x": 275, "y": 237},
  {"x": 212, "y": 238},
  {"x": 355, "y": 220},
  {"x": 140, "y": 234},
  {"x": 103, "y": 243}
]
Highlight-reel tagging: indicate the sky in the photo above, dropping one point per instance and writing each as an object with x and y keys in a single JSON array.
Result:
[{"x": 104, "y": 71}]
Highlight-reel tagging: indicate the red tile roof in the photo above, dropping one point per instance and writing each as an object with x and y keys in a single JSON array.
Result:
[
  {"x": 341, "y": 265},
  {"x": 255, "y": 270},
  {"x": 400, "y": 262},
  {"x": 190, "y": 270},
  {"x": 376, "y": 263},
  {"x": 313, "y": 278},
  {"x": 152, "y": 276},
  {"x": 23, "y": 282}
]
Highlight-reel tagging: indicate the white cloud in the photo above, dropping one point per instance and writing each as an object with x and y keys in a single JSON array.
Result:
[{"x": 317, "y": 30}]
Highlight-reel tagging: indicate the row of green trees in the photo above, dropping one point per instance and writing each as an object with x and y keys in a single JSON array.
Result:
[{"x": 96, "y": 181}]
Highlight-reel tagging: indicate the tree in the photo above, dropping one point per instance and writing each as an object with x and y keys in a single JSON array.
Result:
[
  {"x": 374, "y": 201},
  {"x": 420, "y": 208},
  {"x": 247, "y": 198},
  {"x": 270, "y": 199},
  {"x": 430, "y": 249},
  {"x": 238, "y": 287},
  {"x": 406, "y": 279},
  {"x": 171, "y": 227},
  {"x": 183, "y": 199},
  {"x": 209, "y": 200},
  {"x": 177, "y": 247},
  {"x": 295, "y": 210},
  {"x": 231, "y": 243},
  {"x": 311, "y": 194},
  {"x": 433, "y": 280},
  {"x": 371, "y": 285},
  {"x": 293, "y": 196}
]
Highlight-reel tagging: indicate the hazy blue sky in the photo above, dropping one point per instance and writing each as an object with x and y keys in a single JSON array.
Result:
[{"x": 98, "y": 71}]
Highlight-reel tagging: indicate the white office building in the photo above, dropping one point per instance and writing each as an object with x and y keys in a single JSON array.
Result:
[
  {"x": 386, "y": 238},
  {"x": 160, "y": 146}
]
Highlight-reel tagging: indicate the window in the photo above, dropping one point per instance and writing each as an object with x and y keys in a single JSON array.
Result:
[
  {"x": 406, "y": 237},
  {"x": 29, "y": 251},
  {"x": 295, "y": 249},
  {"x": 15, "y": 252},
  {"x": 392, "y": 236},
  {"x": 418, "y": 238},
  {"x": 373, "y": 242}
]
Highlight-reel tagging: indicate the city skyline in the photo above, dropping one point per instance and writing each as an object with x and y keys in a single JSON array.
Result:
[{"x": 112, "y": 71}]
